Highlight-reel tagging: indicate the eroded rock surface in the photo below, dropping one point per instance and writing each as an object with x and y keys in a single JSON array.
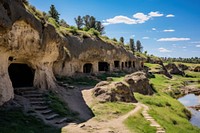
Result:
[
  {"x": 139, "y": 83},
  {"x": 174, "y": 69},
  {"x": 115, "y": 91}
]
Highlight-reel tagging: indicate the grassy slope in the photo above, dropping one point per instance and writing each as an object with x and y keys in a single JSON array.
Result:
[
  {"x": 139, "y": 124},
  {"x": 166, "y": 110},
  {"x": 14, "y": 121},
  {"x": 110, "y": 110}
]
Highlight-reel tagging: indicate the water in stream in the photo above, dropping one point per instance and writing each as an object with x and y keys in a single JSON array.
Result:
[{"x": 191, "y": 100}]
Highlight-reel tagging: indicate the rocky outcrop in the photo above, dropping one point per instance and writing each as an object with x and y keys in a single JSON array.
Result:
[
  {"x": 25, "y": 39},
  {"x": 174, "y": 69},
  {"x": 114, "y": 91},
  {"x": 165, "y": 71},
  {"x": 197, "y": 69},
  {"x": 139, "y": 83},
  {"x": 183, "y": 67}
]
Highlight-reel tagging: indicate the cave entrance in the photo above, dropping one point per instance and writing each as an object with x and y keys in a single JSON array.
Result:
[
  {"x": 103, "y": 66},
  {"x": 87, "y": 68},
  {"x": 116, "y": 64},
  {"x": 21, "y": 75}
]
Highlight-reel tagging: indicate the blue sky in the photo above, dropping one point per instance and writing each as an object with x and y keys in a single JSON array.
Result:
[{"x": 166, "y": 28}]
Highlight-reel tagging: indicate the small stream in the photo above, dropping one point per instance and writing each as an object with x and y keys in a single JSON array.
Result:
[{"x": 192, "y": 100}]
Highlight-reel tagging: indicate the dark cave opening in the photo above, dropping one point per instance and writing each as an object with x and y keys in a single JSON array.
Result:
[
  {"x": 103, "y": 66},
  {"x": 21, "y": 75},
  {"x": 87, "y": 68}
]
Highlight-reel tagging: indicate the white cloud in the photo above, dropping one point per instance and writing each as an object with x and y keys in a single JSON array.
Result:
[
  {"x": 198, "y": 46},
  {"x": 170, "y": 16},
  {"x": 184, "y": 47},
  {"x": 145, "y": 38},
  {"x": 153, "y": 28},
  {"x": 173, "y": 39},
  {"x": 155, "y": 14},
  {"x": 163, "y": 50},
  {"x": 141, "y": 17},
  {"x": 121, "y": 19},
  {"x": 137, "y": 18},
  {"x": 170, "y": 30}
]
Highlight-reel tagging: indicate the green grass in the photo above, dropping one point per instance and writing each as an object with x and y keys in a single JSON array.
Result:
[
  {"x": 58, "y": 106},
  {"x": 111, "y": 110},
  {"x": 14, "y": 121},
  {"x": 138, "y": 124}
]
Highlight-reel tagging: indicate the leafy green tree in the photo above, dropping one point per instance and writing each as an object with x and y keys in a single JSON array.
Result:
[
  {"x": 122, "y": 40},
  {"x": 139, "y": 46},
  {"x": 54, "y": 13},
  {"x": 79, "y": 22},
  {"x": 132, "y": 45},
  {"x": 86, "y": 20},
  {"x": 99, "y": 27}
]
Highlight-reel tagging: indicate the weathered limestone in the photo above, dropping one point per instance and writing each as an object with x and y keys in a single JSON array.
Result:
[
  {"x": 24, "y": 39},
  {"x": 139, "y": 83}
]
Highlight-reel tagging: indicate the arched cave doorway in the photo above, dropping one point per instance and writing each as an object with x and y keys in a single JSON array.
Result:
[
  {"x": 87, "y": 68},
  {"x": 21, "y": 75},
  {"x": 103, "y": 66}
]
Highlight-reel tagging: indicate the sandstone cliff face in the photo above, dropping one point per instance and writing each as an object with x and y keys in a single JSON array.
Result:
[{"x": 26, "y": 40}]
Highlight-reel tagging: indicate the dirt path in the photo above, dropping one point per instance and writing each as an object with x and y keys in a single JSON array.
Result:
[{"x": 108, "y": 126}]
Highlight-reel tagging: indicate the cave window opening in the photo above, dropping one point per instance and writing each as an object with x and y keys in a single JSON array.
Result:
[
  {"x": 122, "y": 65},
  {"x": 126, "y": 64},
  {"x": 134, "y": 64},
  {"x": 116, "y": 64},
  {"x": 87, "y": 68},
  {"x": 103, "y": 66},
  {"x": 21, "y": 75},
  {"x": 129, "y": 64}
]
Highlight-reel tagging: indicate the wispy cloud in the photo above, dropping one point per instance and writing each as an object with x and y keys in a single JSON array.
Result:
[
  {"x": 170, "y": 30},
  {"x": 145, "y": 37},
  {"x": 170, "y": 16},
  {"x": 154, "y": 29},
  {"x": 164, "y": 50},
  {"x": 173, "y": 39},
  {"x": 198, "y": 46},
  {"x": 137, "y": 18}
]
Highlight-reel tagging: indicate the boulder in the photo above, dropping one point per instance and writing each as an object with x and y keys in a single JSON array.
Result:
[
  {"x": 197, "y": 69},
  {"x": 115, "y": 91},
  {"x": 183, "y": 67},
  {"x": 139, "y": 83},
  {"x": 174, "y": 69}
]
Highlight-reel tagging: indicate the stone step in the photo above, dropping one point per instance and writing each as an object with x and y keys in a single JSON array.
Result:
[
  {"x": 36, "y": 99},
  {"x": 52, "y": 116},
  {"x": 38, "y": 103},
  {"x": 25, "y": 89},
  {"x": 40, "y": 107},
  {"x": 47, "y": 111},
  {"x": 62, "y": 120},
  {"x": 155, "y": 125},
  {"x": 33, "y": 95},
  {"x": 160, "y": 131}
]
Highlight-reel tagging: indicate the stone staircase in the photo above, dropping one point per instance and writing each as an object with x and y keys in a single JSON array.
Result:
[
  {"x": 146, "y": 115},
  {"x": 40, "y": 107}
]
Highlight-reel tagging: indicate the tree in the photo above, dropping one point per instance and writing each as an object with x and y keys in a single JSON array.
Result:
[
  {"x": 139, "y": 46},
  {"x": 86, "y": 21},
  {"x": 54, "y": 13},
  {"x": 79, "y": 22},
  {"x": 132, "y": 45},
  {"x": 99, "y": 27},
  {"x": 121, "y": 40}
]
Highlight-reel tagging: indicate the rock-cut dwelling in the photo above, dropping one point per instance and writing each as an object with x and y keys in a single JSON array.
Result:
[{"x": 32, "y": 52}]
